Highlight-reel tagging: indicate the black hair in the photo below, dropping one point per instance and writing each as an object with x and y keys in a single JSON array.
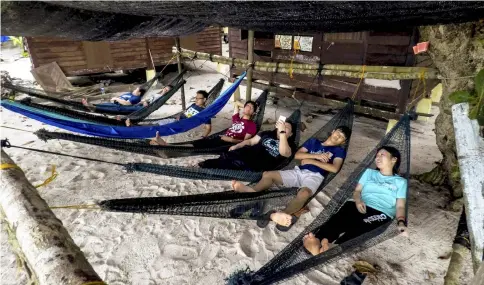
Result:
[
  {"x": 395, "y": 154},
  {"x": 254, "y": 105},
  {"x": 142, "y": 91},
  {"x": 345, "y": 130},
  {"x": 203, "y": 92}
]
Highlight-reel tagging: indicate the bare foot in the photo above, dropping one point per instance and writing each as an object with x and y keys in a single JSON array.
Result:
[
  {"x": 281, "y": 218},
  {"x": 127, "y": 122},
  {"x": 324, "y": 245},
  {"x": 157, "y": 140},
  {"x": 311, "y": 243},
  {"x": 240, "y": 187}
]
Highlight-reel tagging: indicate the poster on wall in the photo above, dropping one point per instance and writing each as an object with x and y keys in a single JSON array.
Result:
[
  {"x": 277, "y": 41},
  {"x": 286, "y": 42},
  {"x": 306, "y": 43}
]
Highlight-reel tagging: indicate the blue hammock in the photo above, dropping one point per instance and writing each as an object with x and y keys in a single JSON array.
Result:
[
  {"x": 113, "y": 108},
  {"x": 137, "y": 132}
]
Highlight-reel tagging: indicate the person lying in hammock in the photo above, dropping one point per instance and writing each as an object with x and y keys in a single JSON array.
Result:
[
  {"x": 127, "y": 99},
  {"x": 146, "y": 102},
  {"x": 379, "y": 196},
  {"x": 243, "y": 128},
  {"x": 317, "y": 159},
  {"x": 192, "y": 110},
  {"x": 264, "y": 151}
]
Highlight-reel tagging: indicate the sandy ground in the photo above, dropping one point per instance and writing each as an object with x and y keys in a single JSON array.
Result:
[{"x": 155, "y": 249}]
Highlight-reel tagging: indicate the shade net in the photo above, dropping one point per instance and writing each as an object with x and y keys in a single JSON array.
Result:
[
  {"x": 119, "y": 20},
  {"x": 293, "y": 259},
  {"x": 143, "y": 146},
  {"x": 228, "y": 204}
]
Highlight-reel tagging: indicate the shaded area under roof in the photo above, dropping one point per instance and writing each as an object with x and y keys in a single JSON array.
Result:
[{"x": 117, "y": 20}]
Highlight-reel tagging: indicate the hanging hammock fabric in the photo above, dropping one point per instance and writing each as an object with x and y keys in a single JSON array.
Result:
[
  {"x": 293, "y": 259},
  {"x": 102, "y": 119},
  {"x": 143, "y": 146},
  {"x": 136, "y": 132},
  {"x": 78, "y": 105},
  {"x": 229, "y": 204}
]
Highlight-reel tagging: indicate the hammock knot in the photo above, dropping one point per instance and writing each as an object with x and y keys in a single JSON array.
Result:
[
  {"x": 242, "y": 277},
  {"x": 5, "y": 143}
]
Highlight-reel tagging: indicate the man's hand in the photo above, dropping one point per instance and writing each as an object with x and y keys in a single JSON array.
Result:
[
  {"x": 361, "y": 207},
  {"x": 281, "y": 127},
  {"x": 323, "y": 157},
  {"x": 145, "y": 104}
]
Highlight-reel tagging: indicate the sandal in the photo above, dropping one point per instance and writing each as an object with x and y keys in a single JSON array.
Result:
[{"x": 266, "y": 219}]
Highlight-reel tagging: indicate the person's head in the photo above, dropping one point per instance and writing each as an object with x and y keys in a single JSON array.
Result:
[
  {"x": 339, "y": 135},
  {"x": 250, "y": 107},
  {"x": 388, "y": 158},
  {"x": 201, "y": 97},
  {"x": 140, "y": 91},
  {"x": 167, "y": 88},
  {"x": 288, "y": 128}
]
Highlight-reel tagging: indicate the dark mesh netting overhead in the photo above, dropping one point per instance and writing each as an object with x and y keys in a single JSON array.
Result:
[
  {"x": 293, "y": 259},
  {"x": 229, "y": 204},
  {"x": 117, "y": 20},
  {"x": 143, "y": 146}
]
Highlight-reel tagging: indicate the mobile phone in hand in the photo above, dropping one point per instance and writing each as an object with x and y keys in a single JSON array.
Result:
[{"x": 282, "y": 118}]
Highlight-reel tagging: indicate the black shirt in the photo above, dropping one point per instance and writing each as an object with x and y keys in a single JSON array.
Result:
[{"x": 264, "y": 155}]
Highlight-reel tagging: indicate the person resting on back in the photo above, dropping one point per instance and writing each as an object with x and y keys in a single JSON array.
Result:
[
  {"x": 317, "y": 160},
  {"x": 378, "y": 198},
  {"x": 243, "y": 128},
  {"x": 192, "y": 110},
  {"x": 127, "y": 99},
  {"x": 264, "y": 151},
  {"x": 148, "y": 101}
]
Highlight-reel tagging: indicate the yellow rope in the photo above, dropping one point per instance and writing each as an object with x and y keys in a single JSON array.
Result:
[
  {"x": 82, "y": 206},
  {"x": 94, "y": 283},
  {"x": 421, "y": 77},
  {"x": 53, "y": 176},
  {"x": 363, "y": 68},
  {"x": 9, "y": 166},
  {"x": 292, "y": 62}
]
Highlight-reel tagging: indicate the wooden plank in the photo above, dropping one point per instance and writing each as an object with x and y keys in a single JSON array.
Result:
[
  {"x": 97, "y": 54},
  {"x": 285, "y": 55},
  {"x": 37, "y": 51},
  {"x": 61, "y": 59},
  {"x": 51, "y": 77},
  {"x": 386, "y": 59},
  {"x": 67, "y": 54},
  {"x": 141, "y": 49},
  {"x": 140, "y": 58},
  {"x": 264, "y": 44},
  {"x": 387, "y": 49},
  {"x": 239, "y": 44},
  {"x": 57, "y": 45},
  {"x": 46, "y": 39},
  {"x": 234, "y": 35},
  {"x": 389, "y": 40},
  {"x": 128, "y": 53},
  {"x": 63, "y": 63},
  {"x": 391, "y": 33}
]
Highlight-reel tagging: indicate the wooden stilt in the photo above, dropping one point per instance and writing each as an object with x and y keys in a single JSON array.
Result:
[
  {"x": 250, "y": 58},
  {"x": 180, "y": 69},
  {"x": 50, "y": 253}
]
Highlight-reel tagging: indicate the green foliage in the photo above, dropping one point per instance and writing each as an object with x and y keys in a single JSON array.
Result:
[{"x": 475, "y": 98}]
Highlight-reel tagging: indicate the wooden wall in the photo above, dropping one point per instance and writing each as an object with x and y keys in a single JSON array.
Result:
[
  {"x": 82, "y": 57},
  {"x": 359, "y": 48}
]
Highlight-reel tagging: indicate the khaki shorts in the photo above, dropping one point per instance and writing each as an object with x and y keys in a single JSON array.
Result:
[{"x": 301, "y": 178}]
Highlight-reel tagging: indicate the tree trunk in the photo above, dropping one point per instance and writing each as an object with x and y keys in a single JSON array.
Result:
[
  {"x": 460, "y": 250},
  {"x": 457, "y": 51},
  {"x": 50, "y": 254}
]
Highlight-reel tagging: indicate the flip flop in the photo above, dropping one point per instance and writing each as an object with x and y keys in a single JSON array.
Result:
[
  {"x": 284, "y": 228},
  {"x": 266, "y": 219}
]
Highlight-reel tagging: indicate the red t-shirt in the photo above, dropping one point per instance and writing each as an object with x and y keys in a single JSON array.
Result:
[{"x": 240, "y": 127}]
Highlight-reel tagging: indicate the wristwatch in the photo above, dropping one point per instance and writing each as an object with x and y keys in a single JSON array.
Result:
[{"x": 401, "y": 221}]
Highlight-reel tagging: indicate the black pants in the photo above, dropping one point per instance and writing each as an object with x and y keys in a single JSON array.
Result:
[
  {"x": 224, "y": 163},
  {"x": 351, "y": 223},
  {"x": 211, "y": 143}
]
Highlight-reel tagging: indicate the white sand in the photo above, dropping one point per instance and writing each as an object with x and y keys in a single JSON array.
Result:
[{"x": 156, "y": 249}]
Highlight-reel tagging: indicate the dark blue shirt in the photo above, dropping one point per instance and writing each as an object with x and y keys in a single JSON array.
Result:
[
  {"x": 131, "y": 98},
  {"x": 315, "y": 146},
  {"x": 192, "y": 111}
]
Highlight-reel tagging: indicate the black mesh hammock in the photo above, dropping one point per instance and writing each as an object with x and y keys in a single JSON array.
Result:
[
  {"x": 76, "y": 104},
  {"x": 135, "y": 117},
  {"x": 143, "y": 146},
  {"x": 229, "y": 204},
  {"x": 293, "y": 259}
]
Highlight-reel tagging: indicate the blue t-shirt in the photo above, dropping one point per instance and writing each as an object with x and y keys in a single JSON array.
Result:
[
  {"x": 131, "y": 98},
  {"x": 314, "y": 146},
  {"x": 192, "y": 111},
  {"x": 381, "y": 192}
]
